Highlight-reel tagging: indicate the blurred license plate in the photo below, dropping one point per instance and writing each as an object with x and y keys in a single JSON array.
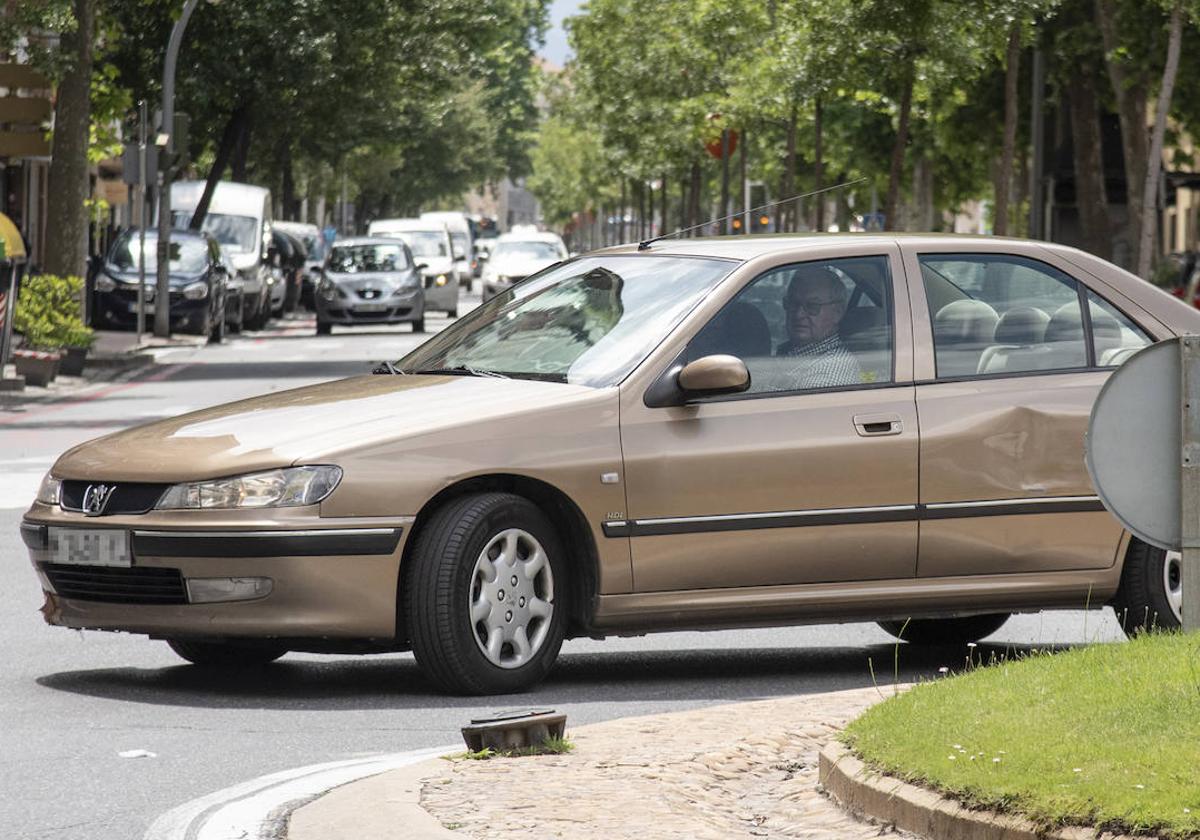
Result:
[
  {"x": 89, "y": 547},
  {"x": 149, "y": 309},
  {"x": 371, "y": 307}
]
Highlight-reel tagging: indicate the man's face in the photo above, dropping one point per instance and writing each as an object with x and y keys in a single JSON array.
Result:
[{"x": 813, "y": 309}]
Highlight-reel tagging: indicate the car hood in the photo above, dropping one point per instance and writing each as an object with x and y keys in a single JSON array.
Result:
[
  {"x": 436, "y": 265},
  {"x": 174, "y": 278},
  {"x": 241, "y": 260},
  {"x": 518, "y": 266},
  {"x": 369, "y": 279},
  {"x": 313, "y": 424}
]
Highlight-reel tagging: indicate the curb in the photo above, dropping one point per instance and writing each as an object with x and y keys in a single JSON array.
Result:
[
  {"x": 886, "y": 799},
  {"x": 395, "y": 812}
]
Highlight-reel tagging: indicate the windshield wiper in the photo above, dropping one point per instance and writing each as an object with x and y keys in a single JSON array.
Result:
[
  {"x": 387, "y": 368},
  {"x": 463, "y": 370}
]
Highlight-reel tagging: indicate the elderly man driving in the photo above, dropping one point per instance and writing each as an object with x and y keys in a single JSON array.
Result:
[{"x": 815, "y": 303}]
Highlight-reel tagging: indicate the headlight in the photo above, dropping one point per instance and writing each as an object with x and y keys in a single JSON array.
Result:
[
  {"x": 50, "y": 490},
  {"x": 327, "y": 289},
  {"x": 196, "y": 291},
  {"x": 289, "y": 487},
  {"x": 104, "y": 283},
  {"x": 440, "y": 280}
]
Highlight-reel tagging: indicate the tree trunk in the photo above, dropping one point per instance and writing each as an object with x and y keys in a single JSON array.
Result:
[
  {"x": 229, "y": 139},
  {"x": 1131, "y": 97},
  {"x": 818, "y": 167},
  {"x": 1004, "y": 177},
  {"x": 694, "y": 206},
  {"x": 897, "y": 168},
  {"x": 621, "y": 213},
  {"x": 1090, "y": 199},
  {"x": 662, "y": 228},
  {"x": 69, "y": 186},
  {"x": 291, "y": 201},
  {"x": 684, "y": 203},
  {"x": 241, "y": 151},
  {"x": 744, "y": 202},
  {"x": 723, "y": 211},
  {"x": 1145, "y": 247},
  {"x": 789, "y": 170}
]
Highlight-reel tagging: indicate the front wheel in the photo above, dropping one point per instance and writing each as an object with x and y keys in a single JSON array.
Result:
[
  {"x": 419, "y": 325},
  {"x": 1150, "y": 596},
  {"x": 486, "y": 598},
  {"x": 324, "y": 328},
  {"x": 227, "y": 654},
  {"x": 945, "y": 631}
]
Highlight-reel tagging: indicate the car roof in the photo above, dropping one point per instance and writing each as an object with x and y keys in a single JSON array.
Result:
[
  {"x": 407, "y": 225},
  {"x": 228, "y": 195},
  {"x": 296, "y": 227},
  {"x": 366, "y": 240},
  {"x": 757, "y": 245},
  {"x": 533, "y": 236}
]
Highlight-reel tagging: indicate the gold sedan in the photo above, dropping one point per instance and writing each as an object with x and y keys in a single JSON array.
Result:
[{"x": 702, "y": 433}]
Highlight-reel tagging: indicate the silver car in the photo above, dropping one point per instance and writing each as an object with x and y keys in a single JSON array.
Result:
[{"x": 370, "y": 280}]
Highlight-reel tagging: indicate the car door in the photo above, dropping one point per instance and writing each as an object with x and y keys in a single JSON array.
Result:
[
  {"x": 1012, "y": 349},
  {"x": 787, "y": 483}
]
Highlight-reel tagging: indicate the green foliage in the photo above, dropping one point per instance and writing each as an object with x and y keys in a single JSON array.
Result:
[
  {"x": 551, "y": 746},
  {"x": 1107, "y": 735},
  {"x": 48, "y": 313}
]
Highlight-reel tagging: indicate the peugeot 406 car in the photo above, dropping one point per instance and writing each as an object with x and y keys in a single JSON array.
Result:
[{"x": 696, "y": 434}]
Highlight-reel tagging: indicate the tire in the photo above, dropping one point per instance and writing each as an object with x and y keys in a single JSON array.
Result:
[
  {"x": 204, "y": 325},
  {"x": 324, "y": 328},
  {"x": 449, "y": 571},
  {"x": 452, "y": 313},
  {"x": 227, "y": 654},
  {"x": 419, "y": 325},
  {"x": 945, "y": 631},
  {"x": 1150, "y": 597},
  {"x": 217, "y": 334}
]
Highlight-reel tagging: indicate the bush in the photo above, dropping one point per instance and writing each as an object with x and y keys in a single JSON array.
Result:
[{"x": 49, "y": 313}]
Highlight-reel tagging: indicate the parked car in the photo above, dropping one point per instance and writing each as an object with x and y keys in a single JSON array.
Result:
[
  {"x": 316, "y": 250},
  {"x": 370, "y": 280},
  {"x": 287, "y": 256},
  {"x": 515, "y": 256},
  {"x": 430, "y": 244},
  {"x": 197, "y": 274},
  {"x": 235, "y": 293},
  {"x": 239, "y": 216},
  {"x": 697, "y": 434},
  {"x": 459, "y": 226}
]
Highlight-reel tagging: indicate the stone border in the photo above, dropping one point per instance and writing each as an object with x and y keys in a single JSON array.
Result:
[{"x": 863, "y": 791}]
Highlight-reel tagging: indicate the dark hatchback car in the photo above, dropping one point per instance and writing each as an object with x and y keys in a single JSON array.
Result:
[{"x": 197, "y": 273}]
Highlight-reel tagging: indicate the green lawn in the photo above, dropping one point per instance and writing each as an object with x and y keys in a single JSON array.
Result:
[{"x": 1104, "y": 735}]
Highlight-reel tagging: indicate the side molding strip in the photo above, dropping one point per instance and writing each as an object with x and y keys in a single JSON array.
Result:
[
  {"x": 314, "y": 543},
  {"x": 848, "y": 516}
]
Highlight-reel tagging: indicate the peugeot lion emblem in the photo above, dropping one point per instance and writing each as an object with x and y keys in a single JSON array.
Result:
[{"x": 95, "y": 498}]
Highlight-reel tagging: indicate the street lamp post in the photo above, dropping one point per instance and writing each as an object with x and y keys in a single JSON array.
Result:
[{"x": 162, "y": 308}]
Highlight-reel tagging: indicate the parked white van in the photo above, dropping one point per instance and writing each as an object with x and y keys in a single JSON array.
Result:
[
  {"x": 431, "y": 246},
  {"x": 460, "y": 234},
  {"x": 239, "y": 217}
]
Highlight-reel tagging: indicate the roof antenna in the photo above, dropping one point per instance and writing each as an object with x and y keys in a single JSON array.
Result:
[{"x": 645, "y": 246}]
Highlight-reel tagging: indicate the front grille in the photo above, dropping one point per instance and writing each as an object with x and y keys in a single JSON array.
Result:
[
  {"x": 145, "y": 585},
  {"x": 129, "y": 497}
]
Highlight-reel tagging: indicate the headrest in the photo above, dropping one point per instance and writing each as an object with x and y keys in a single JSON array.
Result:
[
  {"x": 747, "y": 329},
  {"x": 965, "y": 322},
  {"x": 1022, "y": 325},
  {"x": 1066, "y": 324}
]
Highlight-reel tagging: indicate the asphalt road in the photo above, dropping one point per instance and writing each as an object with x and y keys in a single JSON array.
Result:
[{"x": 71, "y": 702}]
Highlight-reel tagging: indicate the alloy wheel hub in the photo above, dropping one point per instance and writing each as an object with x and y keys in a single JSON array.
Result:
[{"x": 512, "y": 598}]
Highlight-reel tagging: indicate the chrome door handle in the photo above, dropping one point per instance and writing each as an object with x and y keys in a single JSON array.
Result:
[{"x": 878, "y": 425}]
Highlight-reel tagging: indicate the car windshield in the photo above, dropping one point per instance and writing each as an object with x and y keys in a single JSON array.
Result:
[
  {"x": 424, "y": 243},
  {"x": 351, "y": 259},
  {"x": 587, "y": 322},
  {"x": 315, "y": 246},
  {"x": 460, "y": 244},
  {"x": 529, "y": 250},
  {"x": 188, "y": 254},
  {"x": 239, "y": 232}
]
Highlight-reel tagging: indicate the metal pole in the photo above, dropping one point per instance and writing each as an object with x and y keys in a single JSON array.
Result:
[
  {"x": 140, "y": 193},
  {"x": 1189, "y": 496},
  {"x": 162, "y": 309}
]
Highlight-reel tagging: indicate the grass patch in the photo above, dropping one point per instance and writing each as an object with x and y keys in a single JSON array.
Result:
[
  {"x": 551, "y": 746},
  {"x": 1106, "y": 735}
]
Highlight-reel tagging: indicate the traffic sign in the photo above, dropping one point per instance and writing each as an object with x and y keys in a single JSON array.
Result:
[{"x": 1133, "y": 444}]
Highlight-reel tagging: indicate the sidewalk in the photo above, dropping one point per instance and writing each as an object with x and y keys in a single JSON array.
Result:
[{"x": 742, "y": 770}]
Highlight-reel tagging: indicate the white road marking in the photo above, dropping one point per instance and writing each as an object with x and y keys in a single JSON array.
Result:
[{"x": 254, "y": 810}]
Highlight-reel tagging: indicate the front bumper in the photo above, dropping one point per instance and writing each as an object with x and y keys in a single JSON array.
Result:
[
  {"x": 394, "y": 309},
  {"x": 328, "y": 578},
  {"x": 119, "y": 308}
]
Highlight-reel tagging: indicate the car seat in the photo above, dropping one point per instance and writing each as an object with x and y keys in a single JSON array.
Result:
[
  {"x": 962, "y": 330},
  {"x": 740, "y": 329},
  {"x": 1019, "y": 328},
  {"x": 866, "y": 333}
]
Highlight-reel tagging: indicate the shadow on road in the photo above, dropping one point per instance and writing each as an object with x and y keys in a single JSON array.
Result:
[{"x": 394, "y": 682}]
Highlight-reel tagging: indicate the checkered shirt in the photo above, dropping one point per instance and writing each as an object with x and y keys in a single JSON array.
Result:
[{"x": 822, "y": 364}]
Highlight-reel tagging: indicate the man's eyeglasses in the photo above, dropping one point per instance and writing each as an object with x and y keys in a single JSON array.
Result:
[{"x": 811, "y": 307}]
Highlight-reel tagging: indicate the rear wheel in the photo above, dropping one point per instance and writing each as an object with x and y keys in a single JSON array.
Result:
[
  {"x": 324, "y": 328},
  {"x": 945, "y": 631},
  {"x": 1150, "y": 596},
  {"x": 486, "y": 598},
  {"x": 227, "y": 654}
]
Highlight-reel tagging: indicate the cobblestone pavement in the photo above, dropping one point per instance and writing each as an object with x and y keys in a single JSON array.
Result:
[{"x": 744, "y": 770}]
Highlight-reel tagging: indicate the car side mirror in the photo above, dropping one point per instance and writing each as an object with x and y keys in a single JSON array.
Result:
[
  {"x": 459, "y": 255},
  {"x": 422, "y": 266},
  {"x": 708, "y": 376}
]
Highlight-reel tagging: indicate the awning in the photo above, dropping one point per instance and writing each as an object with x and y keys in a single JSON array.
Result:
[{"x": 10, "y": 238}]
